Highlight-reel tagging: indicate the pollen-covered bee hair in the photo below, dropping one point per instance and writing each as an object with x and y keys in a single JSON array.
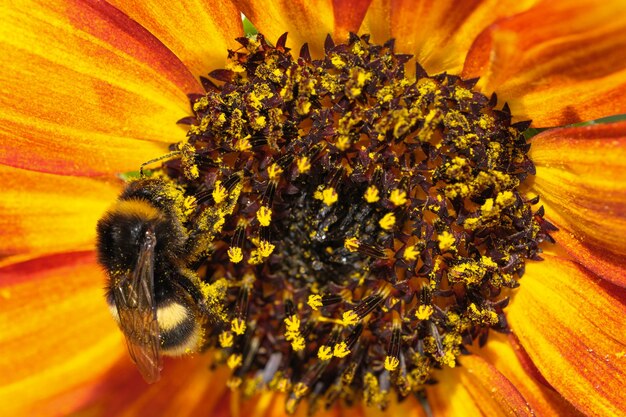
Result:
[{"x": 152, "y": 293}]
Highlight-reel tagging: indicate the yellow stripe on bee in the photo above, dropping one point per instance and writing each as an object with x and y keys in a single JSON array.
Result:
[
  {"x": 171, "y": 316},
  {"x": 136, "y": 208}
]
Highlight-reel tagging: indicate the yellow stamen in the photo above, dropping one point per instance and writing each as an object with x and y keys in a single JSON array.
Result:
[
  {"x": 341, "y": 350},
  {"x": 264, "y": 215},
  {"x": 238, "y": 326},
  {"x": 219, "y": 192},
  {"x": 315, "y": 301},
  {"x": 325, "y": 353},
  {"x": 235, "y": 254},
  {"x": 424, "y": 312},
  {"x": 371, "y": 194},
  {"x": 398, "y": 197},
  {"x": 410, "y": 253},
  {"x": 349, "y": 318},
  {"x": 351, "y": 244},
  {"x": 329, "y": 196},
  {"x": 388, "y": 221},
  {"x": 391, "y": 363}
]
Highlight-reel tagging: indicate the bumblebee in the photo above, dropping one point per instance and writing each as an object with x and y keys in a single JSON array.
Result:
[{"x": 152, "y": 293}]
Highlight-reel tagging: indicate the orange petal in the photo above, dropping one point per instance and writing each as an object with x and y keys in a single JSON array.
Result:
[
  {"x": 473, "y": 389},
  {"x": 581, "y": 177},
  {"x": 86, "y": 90},
  {"x": 574, "y": 332},
  {"x": 306, "y": 22},
  {"x": 439, "y": 33},
  {"x": 187, "y": 388},
  {"x": 559, "y": 63},
  {"x": 57, "y": 334},
  {"x": 198, "y": 32},
  {"x": 506, "y": 355},
  {"x": 45, "y": 213}
]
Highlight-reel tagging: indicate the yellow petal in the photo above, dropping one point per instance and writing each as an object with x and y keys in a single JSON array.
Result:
[
  {"x": 574, "y": 332},
  {"x": 561, "y": 62},
  {"x": 85, "y": 89},
  {"x": 57, "y": 338},
  {"x": 438, "y": 33},
  {"x": 581, "y": 177},
  {"x": 198, "y": 32},
  {"x": 306, "y": 22},
  {"x": 509, "y": 358},
  {"x": 46, "y": 213},
  {"x": 474, "y": 389}
]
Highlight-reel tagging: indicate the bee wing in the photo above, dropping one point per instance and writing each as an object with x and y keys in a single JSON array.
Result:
[{"x": 136, "y": 306}]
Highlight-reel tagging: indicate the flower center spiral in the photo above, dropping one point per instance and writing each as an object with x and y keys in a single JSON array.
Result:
[{"x": 362, "y": 224}]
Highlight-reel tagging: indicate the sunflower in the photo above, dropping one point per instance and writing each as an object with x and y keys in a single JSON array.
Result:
[{"x": 92, "y": 89}]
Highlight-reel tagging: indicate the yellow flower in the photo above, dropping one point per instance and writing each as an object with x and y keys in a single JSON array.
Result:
[{"x": 92, "y": 89}]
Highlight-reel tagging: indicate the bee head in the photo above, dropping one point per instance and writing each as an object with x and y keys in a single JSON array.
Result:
[
  {"x": 122, "y": 230},
  {"x": 143, "y": 206}
]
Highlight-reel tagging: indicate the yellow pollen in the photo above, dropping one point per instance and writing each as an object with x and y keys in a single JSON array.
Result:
[
  {"x": 243, "y": 144},
  {"x": 343, "y": 142},
  {"x": 338, "y": 61},
  {"x": 304, "y": 164},
  {"x": 388, "y": 221},
  {"x": 398, "y": 197},
  {"x": 424, "y": 312},
  {"x": 391, "y": 363},
  {"x": 325, "y": 353},
  {"x": 371, "y": 194},
  {"x": 238, "y": 326},
  {"x": 329, "y": 196},
  {"x": 351, "y": 244},
  {"x": 264, "y": 215},
  {"x": 292, "y": 323},
  {"x": 259, "y": 122},
  {"x": 274, "y": 171},
  {"x": 488, "y": 262},
  {"x": 219, "y": 192},
  {"x": 349, "y": 318},
  {"x": 410, "y": 253},
  {"x": 341, "y": 350},
  {"x": 235, "y": 254},
  {"x": 315, "y": 301},
  {"x": 226, "y": 339},
  {"x": 298, "y": 344},
  {"x": 505, "y": 198},
  {"x": 446, "y": 241},
  {"x": 234, "y": 361},
  {"x": 487, "y": 207},
  {"x": 265, "y": 249}
]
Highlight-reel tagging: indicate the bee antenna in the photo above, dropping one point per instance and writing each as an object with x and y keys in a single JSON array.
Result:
[{"x": 160, "y": 158}]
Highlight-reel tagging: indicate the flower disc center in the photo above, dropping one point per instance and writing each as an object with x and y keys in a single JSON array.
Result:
[{"x": 363, "y": 223}]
